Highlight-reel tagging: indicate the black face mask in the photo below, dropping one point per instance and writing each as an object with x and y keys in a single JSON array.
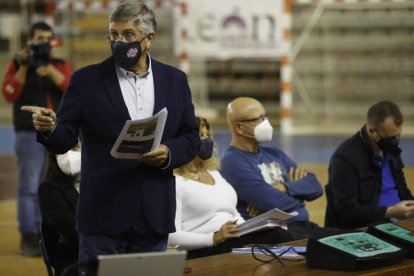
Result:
[
  {"x": 390, "y": 144},
  {"x": 206, "y": 149},
  {"x": 126, "y": 54}
]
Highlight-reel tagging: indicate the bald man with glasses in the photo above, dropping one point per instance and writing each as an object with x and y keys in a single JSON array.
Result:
[{"x": 264, "y": 177}]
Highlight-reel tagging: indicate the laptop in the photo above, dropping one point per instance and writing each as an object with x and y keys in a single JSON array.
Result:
[{"x": 169, "y": 263}]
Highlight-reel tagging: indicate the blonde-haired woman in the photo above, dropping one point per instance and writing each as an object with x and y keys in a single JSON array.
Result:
[{"x": 206, "y": 217}]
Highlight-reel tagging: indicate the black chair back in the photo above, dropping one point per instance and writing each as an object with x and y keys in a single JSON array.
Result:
[{"x": 48, "y": 241}]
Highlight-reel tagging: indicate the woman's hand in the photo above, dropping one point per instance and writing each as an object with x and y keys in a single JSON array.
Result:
[
  {"x": 229, "y": 230},
  {"x": 253, "y": 211}
]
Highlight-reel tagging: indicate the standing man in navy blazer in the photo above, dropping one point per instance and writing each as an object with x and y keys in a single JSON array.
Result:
[{"x": 124, "y": 205}]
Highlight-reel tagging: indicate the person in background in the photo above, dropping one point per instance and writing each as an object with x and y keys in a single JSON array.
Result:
[
  {"x": 33, "y": 77},
  {"x": 206, "y": 217},
  {"x": 125, "y": 205},
  {"x": 366, "y": 181},
  {"x": 264, "y": 177},
  {"x": 58, "y": 197}
]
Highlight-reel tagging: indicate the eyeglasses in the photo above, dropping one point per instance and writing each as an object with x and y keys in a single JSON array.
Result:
[
  {"x": 396, "y": 137},
  {"x": 256, "y": 120},
  {"x": 127, "y": 35}
]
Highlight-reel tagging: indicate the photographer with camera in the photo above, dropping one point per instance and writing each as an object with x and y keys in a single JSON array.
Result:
[{"x": 33, "y": 77}]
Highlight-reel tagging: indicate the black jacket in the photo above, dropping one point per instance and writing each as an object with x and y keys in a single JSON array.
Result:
[
  {"x": 355, "y": 184},
  {"x": 58, "y": 198}
]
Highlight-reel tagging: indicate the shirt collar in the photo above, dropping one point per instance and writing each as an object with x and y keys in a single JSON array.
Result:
[
  {"x": 129, "y": 74},
  {"x": 376, "y": 156}
]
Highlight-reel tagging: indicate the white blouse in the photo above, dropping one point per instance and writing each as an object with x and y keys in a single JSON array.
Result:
[{"x": 201, "y": 210}]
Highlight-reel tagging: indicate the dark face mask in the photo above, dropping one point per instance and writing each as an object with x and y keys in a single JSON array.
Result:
[
  {"x": 126, "y": 54},
  {"x": 206, "y": 149},
  {"x": 390, "y": 144}
]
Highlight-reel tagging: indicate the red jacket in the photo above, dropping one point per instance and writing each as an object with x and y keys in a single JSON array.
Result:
[{"x": 36, "y": 90}]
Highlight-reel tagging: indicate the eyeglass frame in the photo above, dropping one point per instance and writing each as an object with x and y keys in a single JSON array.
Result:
[
  {"x": 262, "y": 118},
  {"x": 124, "y": 36}
]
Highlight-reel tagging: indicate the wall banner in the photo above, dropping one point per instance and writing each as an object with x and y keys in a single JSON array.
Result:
[{"x": 229, "y": 28}]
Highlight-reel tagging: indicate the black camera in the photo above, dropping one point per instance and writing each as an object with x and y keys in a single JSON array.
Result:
[{"x": 39, "y": 54}]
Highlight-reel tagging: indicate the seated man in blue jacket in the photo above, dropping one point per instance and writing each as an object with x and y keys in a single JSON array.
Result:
[
  {"x": 265, "y": 177},
  {"x": 366, "y": 179}
]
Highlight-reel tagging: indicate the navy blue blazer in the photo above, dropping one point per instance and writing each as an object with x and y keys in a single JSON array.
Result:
[{"x": 113, "y": 189}]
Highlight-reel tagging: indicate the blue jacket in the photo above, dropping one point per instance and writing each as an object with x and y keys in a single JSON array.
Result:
[
  {"x": 355, "y": 184},
  {"x": 113, "y": 190}
]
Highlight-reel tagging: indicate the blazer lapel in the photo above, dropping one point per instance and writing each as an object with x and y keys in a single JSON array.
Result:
[
  {"x": 113, "y": 90},
  {"x": 160, "y": 89}
]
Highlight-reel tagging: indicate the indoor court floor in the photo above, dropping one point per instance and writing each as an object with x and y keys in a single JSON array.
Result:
[{"x": 310, "y": 152}]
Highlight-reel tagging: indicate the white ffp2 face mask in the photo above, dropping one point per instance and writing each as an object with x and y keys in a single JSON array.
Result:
[
  {"x": 70, "y": 162},
  {"x": 263, "y": 132}
]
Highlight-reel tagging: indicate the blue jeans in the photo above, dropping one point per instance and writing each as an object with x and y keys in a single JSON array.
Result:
[{"x": 31, "y": 161}]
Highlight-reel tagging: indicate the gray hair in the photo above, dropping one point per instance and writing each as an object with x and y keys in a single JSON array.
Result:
[{"x": 142, "y": 16}]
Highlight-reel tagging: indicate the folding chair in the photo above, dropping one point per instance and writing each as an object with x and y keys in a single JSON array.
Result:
[{"x": 48, "y": 239}]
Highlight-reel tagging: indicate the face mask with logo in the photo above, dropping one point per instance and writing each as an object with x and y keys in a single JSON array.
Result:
[
  {"x": 263, "y": 132},
  {"x": 126, "y": 54},
  {"x": 70, "y": 162},
  {"x": 206, "y": 148},
  {"x": 390, "y": 144}
]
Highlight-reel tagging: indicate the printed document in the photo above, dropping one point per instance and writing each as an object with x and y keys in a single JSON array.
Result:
[
  {"x": 270, "y": 219},
  {"x": 140, "y": 136}
]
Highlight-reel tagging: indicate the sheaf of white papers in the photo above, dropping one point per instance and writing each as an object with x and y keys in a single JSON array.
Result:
[{"x": 272, "y": 218}]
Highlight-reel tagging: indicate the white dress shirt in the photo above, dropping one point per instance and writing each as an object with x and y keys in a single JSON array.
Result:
[{"x": 137, "y": 91}]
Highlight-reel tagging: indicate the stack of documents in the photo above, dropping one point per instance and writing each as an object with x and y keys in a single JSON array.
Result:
[{"x": 270, "y": 219}]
